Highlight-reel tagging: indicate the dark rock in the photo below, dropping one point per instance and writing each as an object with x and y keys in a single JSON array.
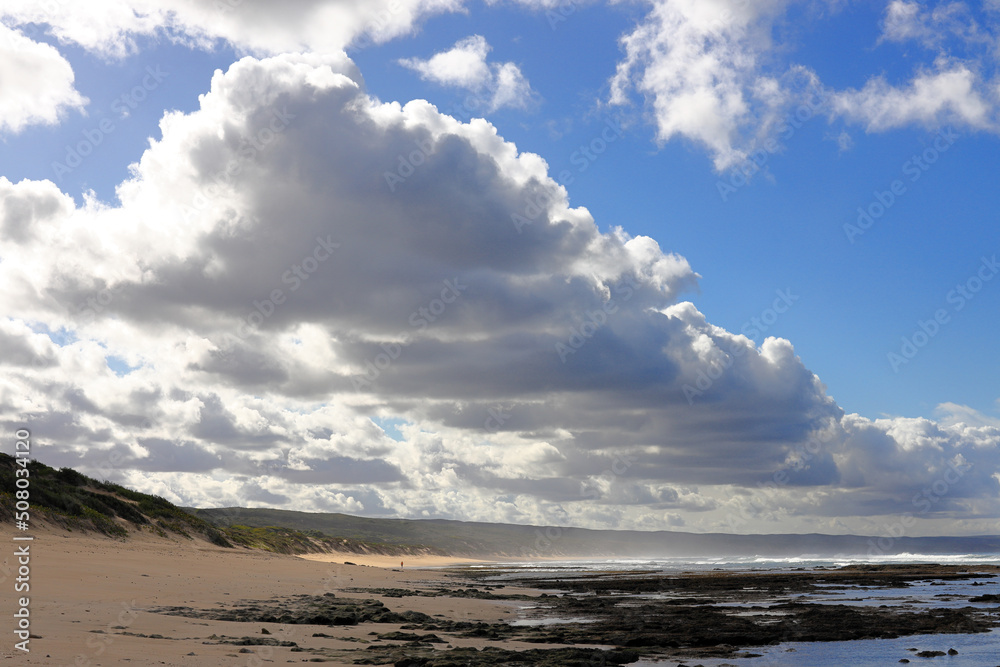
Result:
[{"x": 342, "y": 620}]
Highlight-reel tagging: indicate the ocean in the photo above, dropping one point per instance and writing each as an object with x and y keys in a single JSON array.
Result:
[
  {"x": 973, "y": 650},
  {"x": 667, "y": 565}
]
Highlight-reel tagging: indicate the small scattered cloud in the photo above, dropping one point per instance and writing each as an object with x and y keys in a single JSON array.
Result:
[
  {"x": 497, "y": 85},
  {"x": 953, "y": 414},
  {"x": 557, "y": 128},
  {"x": 931, "y": 27},
  {"x": 701, "y": 68},
  {"x": 844, "y": 141},
  {"x": 36, "y": 83},
  {"x": 709, "y": 73},
  {"x": 951, "y": 93},
  {"x": 463, "y": 66}
]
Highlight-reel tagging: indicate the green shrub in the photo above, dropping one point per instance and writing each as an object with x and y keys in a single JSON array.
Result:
[
  {"x": 71, "y": 477},
  {"x": 103, "y": 524},
  {"x": 115, "y": 506},
  {"x": 217, "y": 538}
]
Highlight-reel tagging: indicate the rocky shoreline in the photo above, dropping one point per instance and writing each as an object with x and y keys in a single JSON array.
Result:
[{"x": 599, "y": 618}]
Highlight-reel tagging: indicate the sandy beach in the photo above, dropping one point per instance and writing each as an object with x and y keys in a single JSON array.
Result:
[
  {"x": 91, "y": 596},
  {"x": 150, "y": 600}
]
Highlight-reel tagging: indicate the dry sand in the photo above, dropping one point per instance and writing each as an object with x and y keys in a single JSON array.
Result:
[{"x": 88, "y": 591}]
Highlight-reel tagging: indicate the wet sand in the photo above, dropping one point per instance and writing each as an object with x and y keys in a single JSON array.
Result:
[{"x": 377, "y": 560}]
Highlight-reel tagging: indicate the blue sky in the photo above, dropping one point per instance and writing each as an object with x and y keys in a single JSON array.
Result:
[{"x": 892, "y": 78}]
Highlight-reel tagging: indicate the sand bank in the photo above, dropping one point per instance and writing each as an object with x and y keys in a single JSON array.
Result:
[{"x": 392, "y": 562}]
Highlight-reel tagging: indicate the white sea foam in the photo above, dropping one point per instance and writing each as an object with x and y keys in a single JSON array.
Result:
[{"x": 743, "y": 562}]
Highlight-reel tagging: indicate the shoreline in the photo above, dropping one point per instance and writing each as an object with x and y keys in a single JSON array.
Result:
[{"x": 151, "y": 601}]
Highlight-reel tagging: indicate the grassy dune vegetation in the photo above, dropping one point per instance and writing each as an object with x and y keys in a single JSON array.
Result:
[{"x": 76, "y": 502}]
